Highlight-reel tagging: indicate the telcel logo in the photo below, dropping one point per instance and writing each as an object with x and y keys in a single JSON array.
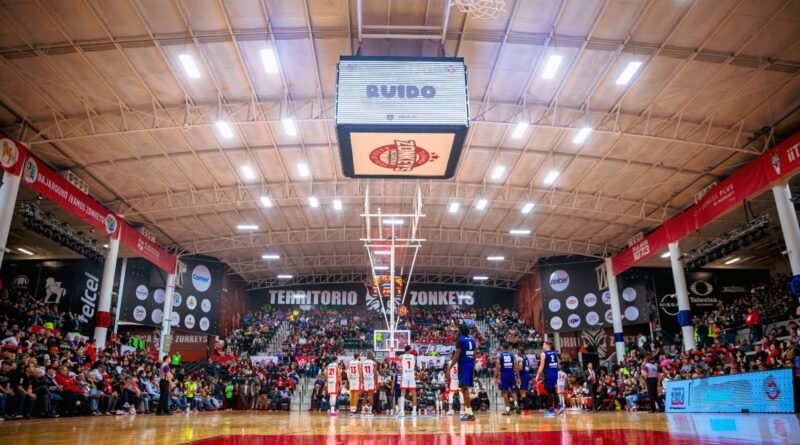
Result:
[
  {"x": 559, "y": 280},
  {"x": 201, "y": 278}
]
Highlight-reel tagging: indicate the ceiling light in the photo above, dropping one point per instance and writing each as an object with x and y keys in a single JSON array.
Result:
[
  {"x": 25, "y": 251},
  {"x": 288, "y": 126},
  {"x": 285, "y": 277},
  {"x": 265, "y": 201},
  {"x": 519, "y": 130},
  {"x": 498, "y": 172},
  {"x": 665, "y": 255},
  {"x": 495, "y": 258},
  {"x": 393, "y": 222},
  {"x": 269, "y": 60},
  {"x": 519, "y": 232},
  {"x": 382, "y": 252},
  {"x": 552, "y": 66},
  {"x": 453, "y": 207},
  {"x": 248, "y": 172},
  {"x": 247, "y": 227},
  {"x": 225, "y": 129},
  {"x": 480, "y": 278},
  {"x": 337, "y": 204},
  {"x": 628, "y": 73},
  {"x": 527, "y": 208},
  {"x": 583, "y": 133},
  {"x": 733, "y": 260},
  {"x": 381, "y": 267},
  {"x": 270, "y": 256},
  {"x": 302, "y": 167},
  {"x": 551, "y": 177},
  {"x": 189, "y": 66},
  {"x": 313, "y": 201},
  {"x": 481, "y": 204}
]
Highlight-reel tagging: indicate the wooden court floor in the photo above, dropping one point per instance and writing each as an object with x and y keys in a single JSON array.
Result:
[{"x": 320, "y": 429}]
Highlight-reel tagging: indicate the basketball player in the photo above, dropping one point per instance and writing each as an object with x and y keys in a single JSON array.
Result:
[
  {"x": 506, "y": 373},
  {"x": 548, "y": 365},
  {"x": 334, "y": 378},
  {"x": 368, "y": 376},
  {"x": 397, "y": 378},
  {"x": 561, "y": 388},
  {"x": 525, "y": 376},
  {"x": 464, "y": 355},
  {"x": 354, "y": 380},
  {"x": 454, "y": 389},
  {"x": 408, "y": 384}
]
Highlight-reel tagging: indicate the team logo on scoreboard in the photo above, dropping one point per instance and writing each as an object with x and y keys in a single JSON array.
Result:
[
  {"x": 402, "y": 156},
  {"x": 770, "y": 388}
]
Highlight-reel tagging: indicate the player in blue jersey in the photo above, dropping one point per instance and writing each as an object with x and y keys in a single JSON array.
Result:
[
  {"x": 397, "y": 378},
  {"x": 548, "y": 365},
  {"x": 525, "y": 375},
  {"x": 464, "y": 355},
  {"x": 507, "y": 375}
]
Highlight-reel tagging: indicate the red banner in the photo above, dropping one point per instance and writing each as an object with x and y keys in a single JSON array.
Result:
[
  {"x": 224, "y": 359},
  {"x": 303, "y": 359},
  {"x": 147, "y": 249},
  {"x": 781, "y": 162},
  {"x": 12, "y": 154}
]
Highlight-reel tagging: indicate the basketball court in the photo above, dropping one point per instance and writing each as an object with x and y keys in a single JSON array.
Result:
[{"x": 289, "y": 183}]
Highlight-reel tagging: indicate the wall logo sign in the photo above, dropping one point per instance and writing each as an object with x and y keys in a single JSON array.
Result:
[
  {"x": 158, "y": 296},
  {"x": 631, "y": 313},
  {"x": 592, "y": 318},
  {"x": 204, "y": 324},
  {"x": 574, "y": 320},
  {"x": 141, "y": 292},
  {"x": 678, "y": 398},
  {"x": 205, "y": 305},
  {"x": 188, "y": 322},
  {"x": 554, "y": 305},
  {"x": 701, "y": 288},
  {"x": 629, "y": 294},
  {"x": 572, "y": 302},
  {"x": 590, "y": 299},
  {"x": 556, "y": 323},
  {"x": 402, "y": 156},
  {"x": 641, "y": 250},
  {"x": 31, "y": 171},
  {"x": 400, "y": 91},
  {"x": 20, "y": 282},
  {"x": 139, "y": 313},
  {"x": 669, "y": 304},
  {"x": 53, "y": 291},
  {"x": 771, "y": 389},
  {"x": 157, "y": 316},
  {"x": 609, "y": 317},
  {"x": 191, "y": 302},
  {"x": 606, "y": 297},
  {"x": 177, "y": 299},
  {"x": 111, "y": 223},
  {"x": 10, "y": 154},
  {"x": 201, "y": 278},
  {"x": 776, "y": 163},
  {"x": 559, "y": 280},
  {"x": 174, "y": 319}
]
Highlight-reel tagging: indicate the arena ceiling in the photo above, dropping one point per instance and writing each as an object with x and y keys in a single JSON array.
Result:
[{"x": 99, "y": 88}]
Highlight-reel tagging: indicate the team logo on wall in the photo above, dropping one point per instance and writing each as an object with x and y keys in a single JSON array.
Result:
[
  {"x": 629, "y": 294},
  {"x": 158, "y": 296},
  {"x": 572, "y": 302},
  {"x": 53, "y": 291},
  {"x": 592, "y": 318},
  {"x": 201, "y": 278},
  {"x": 590, "y": 299},
  {"x": 204, "y": 324},
  {"x": 20, "y": 282},
  {"x": 402, "y": 156},
  {"x": 31, "y": 171},
  {"x": 574, "y": 320},
  {"x": 10, "y": 153},
  {"x": 631, "y": 313},
  {"x": 559, "y": 280},
  {"x": 177, "y": 299},
  {"x": 205, "y": 305},
  {"x": 188, "y": 322},
  {"x": 191, "y": 302},
  {"x": 157, "y": 316},
  {"x": 139, "y": 313},
  {"x": 554, "y": 305},
  {"x": 556, "y": 323},
  {"x": 142, "y": 292},
  {"x": 111, "y": 223}
]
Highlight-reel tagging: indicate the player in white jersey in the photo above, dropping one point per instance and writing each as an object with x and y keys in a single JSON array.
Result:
[
  {"x": 454, "y": 389},
  {"x": 408, "y": 384},
  {"x": 368, "y": 382},
  {"x": 561, "y": 387},
  {"x": 354, "y": 380},
  {"x": 334, "y": 379}
]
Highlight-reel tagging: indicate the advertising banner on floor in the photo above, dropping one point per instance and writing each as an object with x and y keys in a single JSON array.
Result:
[
  {"x": 755, "y": 392},
  {"x": 572, "y": 299},
  {"x": 707, "y": 290},
  {"x": 780, "y": 162},
  {"x": 355, "y": 296},
  {"x": 72, "y": 285}
]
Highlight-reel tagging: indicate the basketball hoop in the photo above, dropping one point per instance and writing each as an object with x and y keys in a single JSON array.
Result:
[{"x": 481, "y": 9}]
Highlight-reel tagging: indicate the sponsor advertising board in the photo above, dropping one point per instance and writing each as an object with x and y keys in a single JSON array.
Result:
[{"x": 755, "y": 392}]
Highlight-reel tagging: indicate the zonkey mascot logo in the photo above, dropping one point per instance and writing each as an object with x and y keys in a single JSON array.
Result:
[{"x": 402, "y": 156}]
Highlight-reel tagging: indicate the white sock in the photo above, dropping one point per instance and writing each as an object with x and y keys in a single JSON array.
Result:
[
  {"x": 469, "y": 411},
  {"x": 401, "y": 404},
  {"x": 508, "y": 408}
]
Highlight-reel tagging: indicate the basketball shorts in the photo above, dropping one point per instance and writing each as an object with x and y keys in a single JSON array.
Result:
[
  {"x": 507, "y": 381},
  {"x": 409, "y": 382},
  {"x": 550, "y": 382},
  {"x": 525, "y": 381},
  {"x": 465, "y": 374},
  {"x": 369, "y": 385}
]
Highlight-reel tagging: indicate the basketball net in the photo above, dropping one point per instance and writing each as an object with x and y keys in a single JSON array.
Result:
[{"x": 481, "y": 9}]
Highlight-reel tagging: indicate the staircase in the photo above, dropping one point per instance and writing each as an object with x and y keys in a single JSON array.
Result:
[{"x": 274, "y": 346}]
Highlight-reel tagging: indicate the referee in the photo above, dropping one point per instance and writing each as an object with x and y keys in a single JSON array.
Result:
[{"x": 650, "y": 370}]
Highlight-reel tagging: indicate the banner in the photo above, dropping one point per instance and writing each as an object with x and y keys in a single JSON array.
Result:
[
  {"x": 264, "y": 360},
  {"x": 755, "y": 392},
  {"x": 12, "y": 154},
  {"x": 429, "y": 348},
  {"x": 143, "y": 293},
  {"x": 303, "y": 359},
  {"x": 134, "y": 240},
  {"x": 72, "y": 285},
  {"x": 355, "y": 296},
  {"x": 780, "y": 162},
  {"x": 425, "y": 361},
  {"x": 573, "y": 301}
]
